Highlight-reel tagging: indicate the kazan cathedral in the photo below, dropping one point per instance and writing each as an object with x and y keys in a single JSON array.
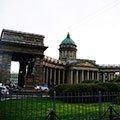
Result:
[
  {"x": 71, "y": 70},
  {"x": 37, "y": 69}
]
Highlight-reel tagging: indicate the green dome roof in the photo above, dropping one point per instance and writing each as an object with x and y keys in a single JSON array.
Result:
[{"x": 67, "y": 41}]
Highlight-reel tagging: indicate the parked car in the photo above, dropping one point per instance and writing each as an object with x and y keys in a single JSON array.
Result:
[
  {"x": 1, "y": 84},
  {"x": 4, "y": 90},
  {"x": 42, "y": 88}
]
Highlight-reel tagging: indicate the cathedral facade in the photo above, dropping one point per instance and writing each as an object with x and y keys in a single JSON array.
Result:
[
  {"x": 37, "y": 69},
  {"x": 68, "y": 69}
]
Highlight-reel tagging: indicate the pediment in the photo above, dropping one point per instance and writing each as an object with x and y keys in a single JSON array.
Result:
[{"x": 85, "y": 64}]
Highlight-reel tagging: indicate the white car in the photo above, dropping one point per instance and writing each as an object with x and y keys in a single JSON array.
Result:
[
  {"x": 4, "y": 90},
  {"x": 42, "y": 88},
  {"x": 1, "y": 84}
]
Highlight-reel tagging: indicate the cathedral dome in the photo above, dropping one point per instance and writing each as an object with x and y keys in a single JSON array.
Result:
[
  {"x": 68, "y": 41},
  {"x": 67, "y": 49}
]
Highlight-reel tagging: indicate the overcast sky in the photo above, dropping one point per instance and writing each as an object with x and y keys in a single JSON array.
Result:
[{"x": 94, "y": 25}]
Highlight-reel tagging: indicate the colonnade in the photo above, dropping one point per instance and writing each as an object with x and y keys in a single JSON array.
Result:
[
  {"x": 53, "y": 76},
  {"x": 77, "y": 76},
  {"x": 56, "y": 76},
  {"x": 107, "y": 76}
]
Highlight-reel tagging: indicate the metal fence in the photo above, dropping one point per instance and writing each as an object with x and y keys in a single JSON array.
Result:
[{"x": 64, "y": 106}]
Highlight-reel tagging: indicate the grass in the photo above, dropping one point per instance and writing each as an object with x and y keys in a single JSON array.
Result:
[{"x": 39, "y": 108}]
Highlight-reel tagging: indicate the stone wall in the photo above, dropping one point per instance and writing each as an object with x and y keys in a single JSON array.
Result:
[
  {"x": 38, "y": 71},
  {"x": 5, "y": 64}
]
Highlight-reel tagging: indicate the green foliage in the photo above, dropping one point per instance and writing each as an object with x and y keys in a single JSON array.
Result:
[
  {"x": 84, "y": 87},
  {"x": 14, "y": 75},
  {"x": 38, "y": 108},
  {"x": 58, "y": 88},
  {"x": 78, "y": 88},
  {"x": 116, "y": 79},
  {"x": 90, "y": 81},
  {"x": 110, "y": 87}
]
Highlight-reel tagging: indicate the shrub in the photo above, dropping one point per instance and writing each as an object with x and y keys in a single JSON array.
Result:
[
  {"x": 116, "y": 79},
  {"x": 109, "y": 87},
  {"x": 90, "y": 81},
  {"x": 59, "y": 89},
  {"x": 78, "y": 88},
  {"x": 84, "y": 87}
]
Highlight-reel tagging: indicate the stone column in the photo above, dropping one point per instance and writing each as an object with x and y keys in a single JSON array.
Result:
[
  {"x": 71, "y": 77},
  {"x": 50, "y": 76},
  {"x": 92, "y": 75},
  {"x": 63, "y": 76},
  {"x": 79, "y": 76},
  {"x": 112, "y": 75},
  {"x": 38, "y": 71},
  {"x": 54, "y": 76},
  {"x": 44, "y": 75},
  {"x": 82, "y": 75},
  {"x": 47, "y": 75},
  {"x": 5, "y": 68},
  {"x": 108, "y": 76},
  {"x": 88, "y": 75},
  {"x": 58, "y": 76},
  {"x": 76, "y": 80},
  {"x": 98, "y": 76},
  {"x": 103, "y": 77}
]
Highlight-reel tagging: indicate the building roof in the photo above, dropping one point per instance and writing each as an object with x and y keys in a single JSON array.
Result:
[
  {"x": 68, "y": 41},
  {"x": 21, "y": 38}
]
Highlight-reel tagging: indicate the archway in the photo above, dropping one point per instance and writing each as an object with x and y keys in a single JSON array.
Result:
[{"x": 21, "y": 47}]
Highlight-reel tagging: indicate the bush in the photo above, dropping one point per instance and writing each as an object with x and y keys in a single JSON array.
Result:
[
  {"x": 109, "y": 87},
  {"x": 84, "y": 87},
  {"x": 116, "y": 79},
  {"x": 90, "y": 81},
  {"x": 59, "y": 89}
]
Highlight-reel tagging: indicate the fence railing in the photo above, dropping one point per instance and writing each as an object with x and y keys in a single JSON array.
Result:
[{"x": 63, "y": 106}]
